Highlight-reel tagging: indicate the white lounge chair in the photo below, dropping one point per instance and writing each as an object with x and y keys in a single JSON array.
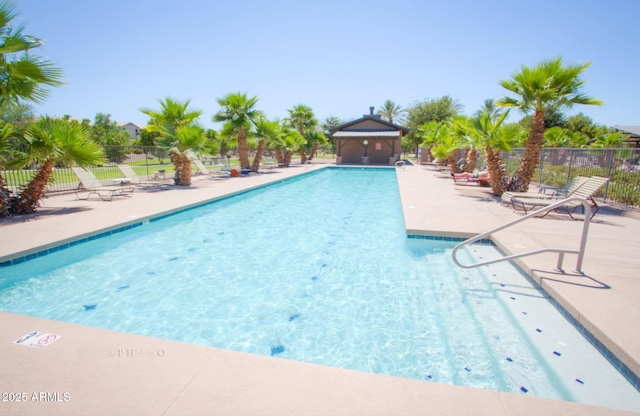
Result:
[
  {"x": 146, "y": 184},
  {"x": 587, "y": 190},
  {"x": 557, "y": 193},
  {"x": 89, "y": 183},
  {"x": 216, "y": 174}
]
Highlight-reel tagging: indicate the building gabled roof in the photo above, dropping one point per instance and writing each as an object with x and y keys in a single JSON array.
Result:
[
  {"x": 632, "y": 130},
  {"x": 372, "y": 117}
]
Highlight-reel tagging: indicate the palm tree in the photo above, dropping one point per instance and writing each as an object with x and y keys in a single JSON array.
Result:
[
  {"x": 185, "y": 140},
  {"x": 50, "y": 142},
  {"x": 557, "y": 137},
  {"x": 316, "y": 138},
  {"x": 267, "y": 133},
  {"x": 288, "y": 140},
  {"x": 23, "y": 75},
  {"x": 5, "y": 132},
  {"x": 239, "y": 115},
  {"x": 549, "y": 84},
  {"x": 495, "y": 138},
  {"x": 608, "y": 140},
  {"x": 490, "y": 107},
  {"x": 178, "y": 128},
  {"x": 304, "y": 121},
  {"x": 391, "y": 111}
]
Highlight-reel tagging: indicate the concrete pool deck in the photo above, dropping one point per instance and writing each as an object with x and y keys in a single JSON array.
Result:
[{"x": 98, "y": 371}]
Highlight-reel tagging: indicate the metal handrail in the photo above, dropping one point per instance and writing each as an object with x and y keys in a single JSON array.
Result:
[
  {"x": 560, "y": 251},
  {"x": 400, "y": 164}
]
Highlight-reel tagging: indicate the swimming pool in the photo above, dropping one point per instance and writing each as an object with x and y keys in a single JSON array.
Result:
[{"x": 318, "y": 269}]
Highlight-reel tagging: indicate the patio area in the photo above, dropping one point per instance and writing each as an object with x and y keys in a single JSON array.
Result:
[{"x": 97, "y": 371}]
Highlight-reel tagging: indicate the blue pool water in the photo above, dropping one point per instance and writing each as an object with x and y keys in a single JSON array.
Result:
[{"x": 319, "y": 269}]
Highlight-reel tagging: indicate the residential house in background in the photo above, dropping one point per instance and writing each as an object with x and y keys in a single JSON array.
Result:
[{"x": 131, "y": 128}]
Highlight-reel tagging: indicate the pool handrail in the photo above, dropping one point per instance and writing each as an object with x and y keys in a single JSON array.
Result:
[
  {"x": 400, "y": 164},
  {"x": 560, "y": 251}
]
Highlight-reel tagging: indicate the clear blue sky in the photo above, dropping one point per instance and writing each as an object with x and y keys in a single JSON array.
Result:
[{"x": 337, "y": 57}]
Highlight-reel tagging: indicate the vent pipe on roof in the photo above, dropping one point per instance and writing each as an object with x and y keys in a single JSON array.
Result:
[{"x": 371, "y": 110}]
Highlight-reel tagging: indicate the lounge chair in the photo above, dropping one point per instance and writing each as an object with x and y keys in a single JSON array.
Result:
[
  {"x": 586, "y": 191},
  {"x": 269, "y": 163},
  {"x": 228, "y": 168},
  {"x": 89, "y": 183},
  {"x": 557, "y": 193},
  {"x": 466, "y": 178},
  {"x": 159, "y": 181},
  {"x": 217, "y": 174}
]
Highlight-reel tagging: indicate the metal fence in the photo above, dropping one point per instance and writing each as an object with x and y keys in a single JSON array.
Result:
[
  {"x": 145, "y": 160},
  {"x": 556, "y": 168}
]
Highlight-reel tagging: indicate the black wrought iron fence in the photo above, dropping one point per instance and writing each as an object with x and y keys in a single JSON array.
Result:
[
  {"x": 558, "y": 166},
  {"x": 145, "y": 160}
]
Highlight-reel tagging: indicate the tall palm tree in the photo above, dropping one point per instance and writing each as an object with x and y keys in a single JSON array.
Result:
[
  {"x": 50, "y": 142},
  {"x": 304, "y": 121},
  {"x": 239, "y": 115},
  {"x": 549, "y": 84},
  {"x": 390, "y": 111},
  {"x": 178, "y": 128},
  {"x": 23, "y": 75}
]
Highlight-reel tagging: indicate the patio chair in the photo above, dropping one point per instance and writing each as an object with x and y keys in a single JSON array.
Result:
[
  {"x": 557, "y": 193},
  {"x": 89, "y": 183},
  {"x": 228, "y": 168},
  {"x": 269, "y": 163},
  {"x": 159, "y": 181},
  {"x": 466, "y": 178},
  {"x": 216, "y": 174},
  {"x": 586, "y": 191}
]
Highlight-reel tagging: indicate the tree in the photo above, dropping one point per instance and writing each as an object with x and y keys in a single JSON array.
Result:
[
  {"x": 580, "y": 123},
  {"x": 495, "y": 137},
  {"x": 288, "y": 140},
  {"x": 239, "y": 115},
  {"x": 390, "y": 111},
  {"x": 17, "y": 114},
  {"x": 490, "y": 108},
  {"x": 184, "y": 141},
  {"x": 327, "y": 125},
  {"x": 267, "y": 133},
  {"x": 107, "y": 132},
  {"x": 50, "y": 142},
  {"x": 557, "y": 137},
  {"x": 23, "y": 75},
  {"x": 608, "y": 140},
  {"x": 316, "y": 138},
  {"x": 550, "y": 84},
  {"x": 5, "y": 193},
  {"x": 304, "y": 121},
  {"x": 177, "y": 128},
  {"x": 420, "y": 113}
]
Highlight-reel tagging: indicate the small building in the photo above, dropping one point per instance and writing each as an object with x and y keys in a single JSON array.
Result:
[
  {"x": 368, "y": 140},
  {"x": 132, "y": 129}
]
